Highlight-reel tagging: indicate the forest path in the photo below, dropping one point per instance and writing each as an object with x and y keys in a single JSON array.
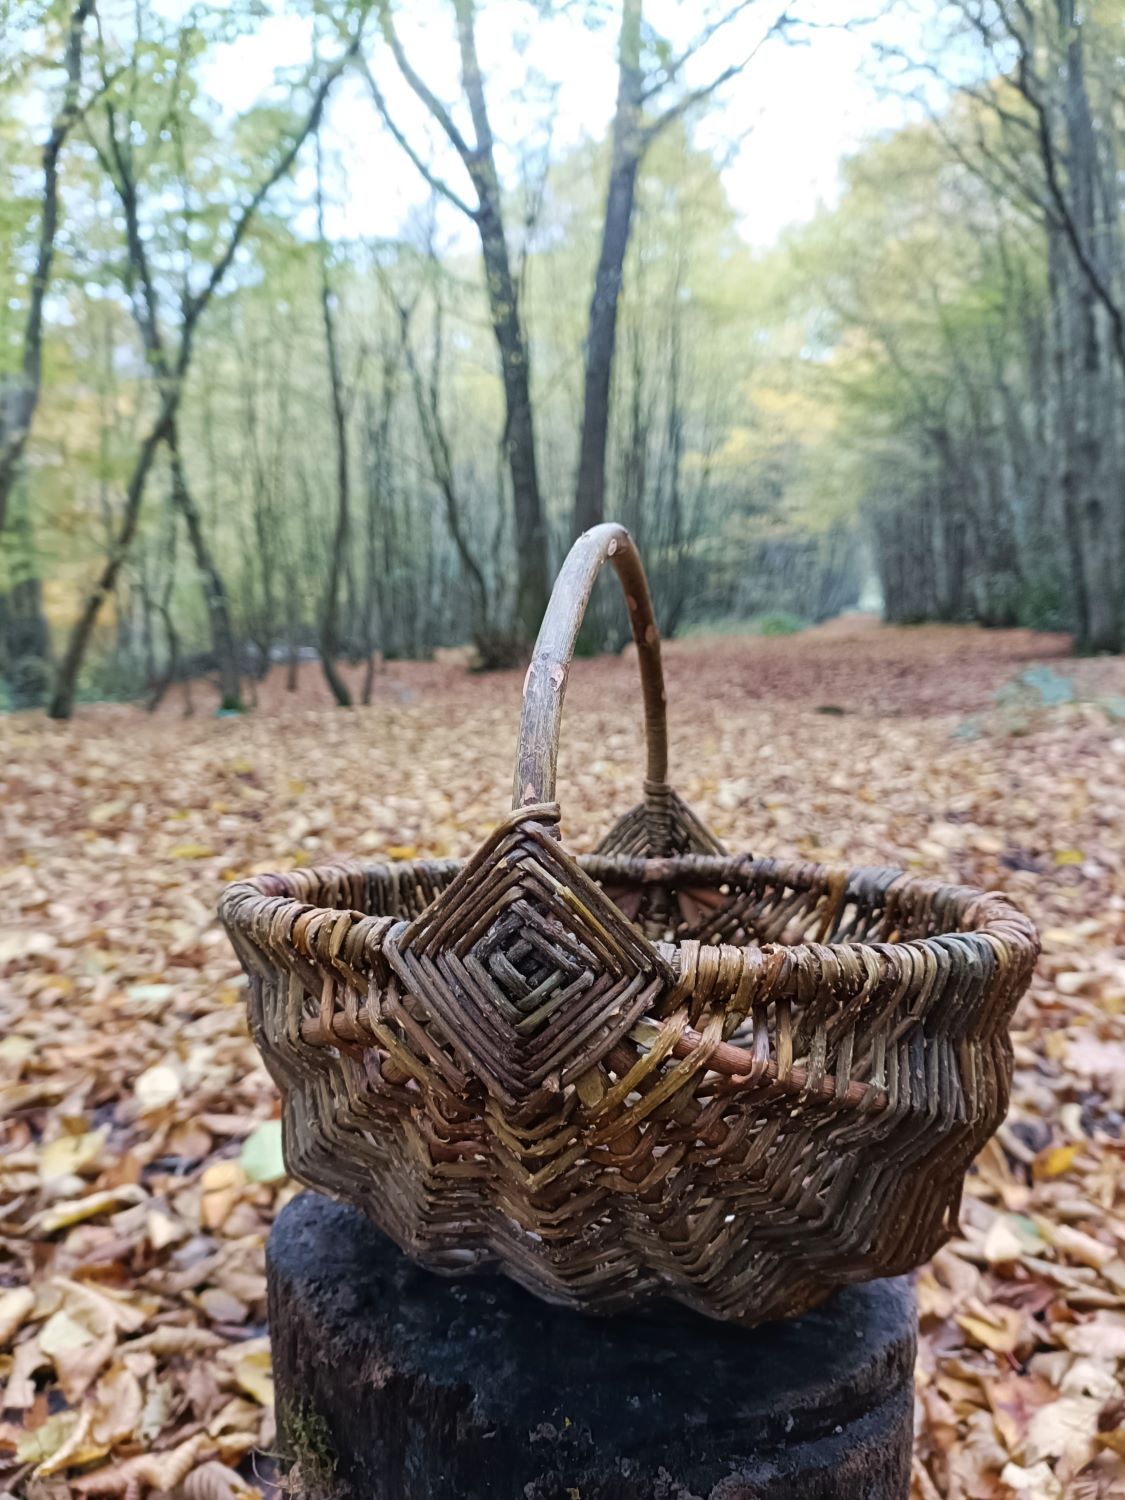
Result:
[{"x": 129, "y": 1086}]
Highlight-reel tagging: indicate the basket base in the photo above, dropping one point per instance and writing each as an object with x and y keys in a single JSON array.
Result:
[{"x": 395, "y": 1384}]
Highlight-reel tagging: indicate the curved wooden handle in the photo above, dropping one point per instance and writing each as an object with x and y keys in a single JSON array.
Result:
[{"x": 545, "y": 685}]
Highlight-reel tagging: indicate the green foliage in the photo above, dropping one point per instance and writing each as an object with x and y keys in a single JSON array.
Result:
[{"x": 780, "y": 622}]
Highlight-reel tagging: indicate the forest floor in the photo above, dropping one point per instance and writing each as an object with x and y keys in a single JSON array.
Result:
[{"x": 140, "y": 1166}]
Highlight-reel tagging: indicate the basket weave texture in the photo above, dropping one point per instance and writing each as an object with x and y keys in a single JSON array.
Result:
[{"x": 659, "y": 1069}]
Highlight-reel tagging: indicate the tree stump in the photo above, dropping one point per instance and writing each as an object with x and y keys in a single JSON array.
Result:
[{"x": 396, "y": 1384}]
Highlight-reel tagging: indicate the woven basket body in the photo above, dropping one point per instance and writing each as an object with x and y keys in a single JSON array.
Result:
[{"x": 657, "y": 1069}]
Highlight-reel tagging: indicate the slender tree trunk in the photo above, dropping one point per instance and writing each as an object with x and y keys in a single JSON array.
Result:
[
  {"x": 66, "y": 680},
  {"x": 21, "y": 405},
  {"x": 533, "y": 563},
  {"x": 427, "y": 401},
  {"x": 329, "y": 625},
  {"x": 601, "y": 332},
  {"x": 1099, "y": 534},
  {"x": 214, "y": 591}
]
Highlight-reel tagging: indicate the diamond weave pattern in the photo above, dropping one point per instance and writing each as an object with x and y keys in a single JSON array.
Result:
[{"x": 735, "y": 1082}]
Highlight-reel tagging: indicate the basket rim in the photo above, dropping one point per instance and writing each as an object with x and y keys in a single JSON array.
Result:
[{"x": 985, "y": 914}]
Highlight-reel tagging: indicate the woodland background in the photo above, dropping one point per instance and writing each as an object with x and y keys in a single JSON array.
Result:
[
  {"x": 254, "y": 458},
  {"x": 231, "y": 437}
]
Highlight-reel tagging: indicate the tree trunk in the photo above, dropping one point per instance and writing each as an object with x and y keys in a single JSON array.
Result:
[
  {"x": 1090, "y": 377},
  {"x": 25, "y": 643},
  {"x": 427, "y": 401},
  {"x": 396, "y": 1383},
  {"x": 532, "y": 561},
  {"x": 214, "y": 591},
  {"x": 601, "y": 332},
  {"x": 329, "y": 626},
  {"x": 66, "y": 680},
  {"x": 21, "y": 405}
]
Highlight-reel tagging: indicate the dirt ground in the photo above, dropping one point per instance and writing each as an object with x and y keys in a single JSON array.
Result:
[{"x": 140, "y": 1174}]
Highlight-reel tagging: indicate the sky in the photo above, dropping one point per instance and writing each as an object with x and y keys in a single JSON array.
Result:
[{"x": 782, "y": 127}]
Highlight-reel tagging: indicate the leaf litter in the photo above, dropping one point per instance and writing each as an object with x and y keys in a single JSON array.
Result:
[{"x": 141, "y": 1165}]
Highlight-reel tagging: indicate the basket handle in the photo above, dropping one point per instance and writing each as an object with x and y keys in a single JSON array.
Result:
[{"x": 545, "y": 685}]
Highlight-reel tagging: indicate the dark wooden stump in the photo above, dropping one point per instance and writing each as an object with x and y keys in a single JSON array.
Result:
[{"x": 395, "y": 1384}]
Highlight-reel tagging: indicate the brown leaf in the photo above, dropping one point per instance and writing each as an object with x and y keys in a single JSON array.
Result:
[
  {"x": 214, "y": 1481},
  {"x": 162, "y": 1471}
]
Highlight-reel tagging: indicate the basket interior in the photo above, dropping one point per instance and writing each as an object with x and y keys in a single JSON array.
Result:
[{"x": 736, "y": 900}]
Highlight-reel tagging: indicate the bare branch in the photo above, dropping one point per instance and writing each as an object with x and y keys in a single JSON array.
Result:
[
  {"x": 242, "y": 222},
  {"x": 672, "y": 70},
  {"x": 437, "y": 183},
  {"x": 436, "y": 108},
  {"x": 697, "y": 96}
]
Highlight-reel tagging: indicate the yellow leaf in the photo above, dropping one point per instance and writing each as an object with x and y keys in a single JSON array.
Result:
[
  {"x": 118, "y": 1406},
  {"x": 78, "y": 1449},
  {"x": 44, "y": 1441},
  {"x": 1001, "y": 1331},
  {"x": 14, "y": 1308},
  {"x": 76, "y": 1210},
  {"x": 221, "y": 1183},
  {"x": 61, "y": 1334},
  {"x": 222, "y": 1174},
  {"x": 66, "y": 1155},
  {"x": 253, "y": 1374},
  {"x": 1055, "y": 1161},
  {"x": 401, "y": 851},
  {"x": 190, "y": 851},
  {"x": 1069, "y": 856}
]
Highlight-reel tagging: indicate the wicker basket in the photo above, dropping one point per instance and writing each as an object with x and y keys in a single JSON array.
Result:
[{"x": 655, "y": 1070}]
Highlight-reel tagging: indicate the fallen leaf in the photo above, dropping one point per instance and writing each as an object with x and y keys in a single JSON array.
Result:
[
  {"x": 253, "y": 1373},
  {"x": 15, "y": 1304},
  {"x": 1067, "y": 1429},
  {"x": 75, "y": 1210},
  {"x": 157, "y": 1087},
  {"x": 214, "y": 1481},
  {"x": 221, "y": 1307},
  {"x": 1102, "y": 1335},
  {"x": 69, "y": 1155},
  {"x": 1035, "y": 1483},
  {"x": 1056, "y": 1161},
  {"x": 161, "y": 1471},
  {"x": 40, "y": 1444},
  {"x": 1002, "y": 1331},
  {"x": 261, "y": 1157}
]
